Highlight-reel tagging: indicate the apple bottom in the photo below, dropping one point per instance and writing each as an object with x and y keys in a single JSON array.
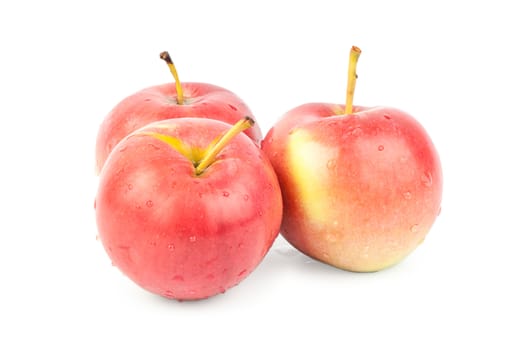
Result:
[
  {"x": 363, "y": 250},
  {"x": 193, "y": 265}
]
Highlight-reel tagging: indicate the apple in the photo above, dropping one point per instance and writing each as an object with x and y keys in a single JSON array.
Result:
[
  {"x": 188, "y": 207},
  {"x": 361, "y": 186},
  {"x": 166, "y": 101}
]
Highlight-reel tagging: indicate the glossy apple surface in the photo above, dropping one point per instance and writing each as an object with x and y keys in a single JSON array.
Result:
[
  {"x": 360, "y": 191},
  {"x": 177, "y": 233},
  {"x": 159, "y": 103}
]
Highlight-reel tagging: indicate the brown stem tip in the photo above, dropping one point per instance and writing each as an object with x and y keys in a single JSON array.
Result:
[{"x": 166, "y": 57}]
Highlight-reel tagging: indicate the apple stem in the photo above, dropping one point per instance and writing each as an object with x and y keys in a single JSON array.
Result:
[
  {"x": 355, "y": 52},
  {"x": 213, "y": 150},
  {"x": 166, "y": 57}
]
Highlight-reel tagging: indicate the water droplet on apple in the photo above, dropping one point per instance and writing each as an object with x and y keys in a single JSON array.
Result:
[
  {"x": 407, "y": 195},
  {"x": 192, "y": 239},
  {"x": 178, "y": 278},
  {"x": 356, "y": 131},
  {"x": 427, "y": 179},
  {"x": 171, "y": 247},
  {"x": 129, "y": 187},
  {"x": 168, "y": 294},
  {"x": 232, "y": 107},
  {"x": 241, "y": 273},
  {"x": 333, "y": 124},
  {"x": 414, "y": 228},
  {"x": 246, "y": 197},
  {"x": 331, "y": 164},
  {"x": 386, "y": 116},
  {"x": 149, "y": 203},
  {"x": 226, "y": 194},
  {"x": 380, "y": 148}
]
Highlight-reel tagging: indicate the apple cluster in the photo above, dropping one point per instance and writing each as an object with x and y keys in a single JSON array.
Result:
[{"x": 191, "y": 196}]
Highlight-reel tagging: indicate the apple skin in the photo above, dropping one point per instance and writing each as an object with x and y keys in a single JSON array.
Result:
[
  {"x": 181, "y": 235},
  {"x": 360, "y": 191},
  {"x": 156, "y": 103}
]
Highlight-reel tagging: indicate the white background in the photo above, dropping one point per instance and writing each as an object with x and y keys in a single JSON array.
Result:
[{"x": 454, "y": 65}]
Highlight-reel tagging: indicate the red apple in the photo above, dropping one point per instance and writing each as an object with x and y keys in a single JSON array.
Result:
[
  {"x": 172, "y": 100},
  {"x": 188, "y": 207},
  {"x": 361, "y": 186}
]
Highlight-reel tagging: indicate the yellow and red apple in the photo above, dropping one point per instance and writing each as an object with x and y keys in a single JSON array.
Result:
[
  {"x": 166, "y": 101},
  {"x": 188, "y": 207},
  {"x": 361, "y": 186}
]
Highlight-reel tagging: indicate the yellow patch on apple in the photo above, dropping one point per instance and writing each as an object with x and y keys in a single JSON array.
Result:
[
  {"x": 304, "y": 154},
  {"x": 193, "y": 154}
]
